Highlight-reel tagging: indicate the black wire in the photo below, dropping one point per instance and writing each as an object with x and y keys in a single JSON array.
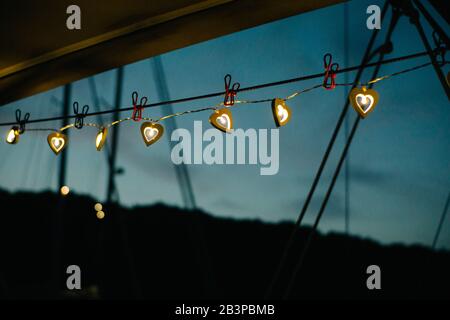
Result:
[
  {"x": 216, "y": 94},
  {"x": 441, "y": 222},
  {"x": 289, "y": 244},
  {"x": 321, "y": 211},
  {"x": 298, "y": 266}
]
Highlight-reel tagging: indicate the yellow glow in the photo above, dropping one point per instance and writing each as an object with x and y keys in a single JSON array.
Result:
[
  {"x": 283, "y": 115},
  {"x": 98, "y": 207},
  {"x": 222, "y": 119},
  {"x": 364, "y": 99},
  {"x": 100, "y": 214},
  {"x": 101, "y": 138},
  {"x": 57, "y": 141},
  {"x": 151, "y": 132},
  {"x": 13, "y": 136},
  {"x": 65, "y": 190},
  {"x": 281, "y": 112}
]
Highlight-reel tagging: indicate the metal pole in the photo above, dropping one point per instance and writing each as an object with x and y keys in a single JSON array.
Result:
[
  {"x": 114, "y": 139},
  {"x": 58, "y": 213},
  {"x": 433, "y": 23},
  {"x": 415, "y": 19},
  {"x": 441, "y": 222},
  {"x": 182, "y": 173},
  {"x": 347, "y": 125},
  {"x": 195, "y": 228},
  {"x": 364, "y": 62},
  {"x": 96, "y": 101},
  {"x": 66, "y": 112},
  {"x": 394, "y": 20}
]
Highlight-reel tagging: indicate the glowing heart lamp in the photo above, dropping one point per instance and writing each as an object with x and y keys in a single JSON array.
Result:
[
  {"x": 363, "y": 100},
  {"x": 151, "y": 132},
  {"x": 222, "y": 120},
  {"x": 57, "y": 142}
]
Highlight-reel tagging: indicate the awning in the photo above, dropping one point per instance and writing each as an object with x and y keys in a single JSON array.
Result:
[{"x": 38, "y": 52}]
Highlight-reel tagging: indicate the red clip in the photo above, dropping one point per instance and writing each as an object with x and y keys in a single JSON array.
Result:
[
  {"x": 137, "y": 108},
  {"x": 329, "y": 80},
  {"x": 230, "y": 93}
]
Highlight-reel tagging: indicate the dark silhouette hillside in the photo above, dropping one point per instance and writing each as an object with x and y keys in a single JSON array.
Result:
[{"x": 162, "y": 252}]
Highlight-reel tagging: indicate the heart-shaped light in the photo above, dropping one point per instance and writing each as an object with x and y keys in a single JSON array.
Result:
[
  {"x": 57, "y": 142},
  {"x": 101, "y": 138},
  {"x": 13, "y": 135},
  {"x": 363, "y": 100},
  {"x": 151, "y": 132},
  {"x": 222, "y": 120},
  {"x": 281, "y": 112}
]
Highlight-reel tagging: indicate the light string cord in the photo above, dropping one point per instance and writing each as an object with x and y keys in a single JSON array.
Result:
[
  {"x": 299, "y": 79},
  {"x": 236, "y": 102}
]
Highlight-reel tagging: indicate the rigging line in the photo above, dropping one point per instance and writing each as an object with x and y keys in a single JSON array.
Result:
[
  {"x": 96, "y": 100},
  {"x": 95, "y": 183},
  {"x": 34, "y": 149},
  {"x": 289, "y": 244},
  {"x": 163, "y": 94},
  {"x": 298, "y": 266},
  {"x": 346, "y": 124},
  {"x": 212, "y": 95},
  {"x": 432, "y": 54},
  {"x": 441, "y": 222},
  {"x": 322, "y": 209},
  {"x": 433, "y": 23}
]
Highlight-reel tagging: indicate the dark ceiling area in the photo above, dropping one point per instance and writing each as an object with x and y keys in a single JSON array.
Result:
[{"x": 40, "y": 53}]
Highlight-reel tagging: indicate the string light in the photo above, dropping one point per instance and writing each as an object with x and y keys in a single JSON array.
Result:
[
  {"x": 222, "y": 119},
  {"x": 151, "y": 132},
  {"x": 363, "y": 100},
  {"x": 57, "y": 141},
  {"x": 64, "y": 190},
  {"x": 100, "y": 139},
  {"x": 98, "y": 206},
  {"x": 281, "y": 112},
  {"x": 13, "y": 135},
  {"x": 100, "y": 214}
]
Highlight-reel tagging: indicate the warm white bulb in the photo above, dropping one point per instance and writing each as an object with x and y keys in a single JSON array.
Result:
[
  {"x": 65, "y": 190},
  {"x": 99, "y": 139},
  {"x": 364, "y": 99},
  {"x": 98, "y": 207},
  {"x": 282, "y": 113},
  {"x": 11, "y": 136},
  {"x": 280, "y": 110},
  {"x": 100, "y": 215}
]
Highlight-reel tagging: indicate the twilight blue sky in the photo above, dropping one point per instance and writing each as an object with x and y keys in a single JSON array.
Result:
[{"x": 399, "y": 161}]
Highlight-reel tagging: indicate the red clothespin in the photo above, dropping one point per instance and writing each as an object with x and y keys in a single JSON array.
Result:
[
  {"x": 137, "y": 108},
  {"x": 329, "y": 80},
  {"x": 230, "y": 92}
]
